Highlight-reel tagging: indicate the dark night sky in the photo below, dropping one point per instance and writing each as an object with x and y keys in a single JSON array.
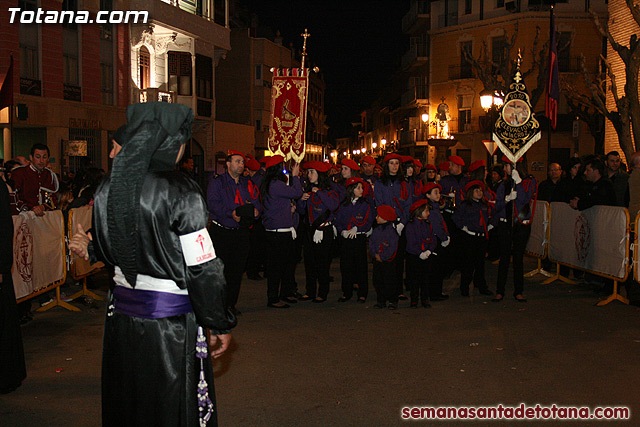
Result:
[{"x": 356, "y": 43}]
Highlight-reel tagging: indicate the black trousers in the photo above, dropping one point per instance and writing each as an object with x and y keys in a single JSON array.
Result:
[
  {"x": 353, "y": 265},
  {"x": 450, "y": 256},
  {"x": 12, "y": 365},
  {"x": 399, "y": 261},
  {"x": 232, "y": 247},
  {"x": 384, "y": 281},
  {"x": 279, "y": 265},
  {"x": 418, "y": 277},
  {"x": 434, "y": 273},
  {"x": 472, "y": 252},
  {"x": 255, "y": 260},
  {"x": 317, "y": 260},
  {"x": 513, "y": 241}
]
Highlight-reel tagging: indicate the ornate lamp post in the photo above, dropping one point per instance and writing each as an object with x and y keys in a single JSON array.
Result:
[{"x": 491, "y": 103}]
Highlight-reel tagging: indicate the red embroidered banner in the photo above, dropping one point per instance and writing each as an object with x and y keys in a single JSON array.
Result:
[{"x": 289, "y": 113}]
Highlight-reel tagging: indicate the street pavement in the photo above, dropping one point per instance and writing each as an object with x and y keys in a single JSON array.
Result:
[{"x": 348, "y": 364}]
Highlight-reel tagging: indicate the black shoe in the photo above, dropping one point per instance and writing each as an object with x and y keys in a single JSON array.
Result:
[
  {"x": 290, "y": 300},
  {"x": 378, "y": 305},
  {"x": 426, "y": 304},
  {"x": 305, "y": 298},
  {"x": 485, "y": 292},
  {"x": 254, "y": 276},
  {"x": 343, "y": 299},
  {"x": 521, "y": 299},
  {"x": 362, "y": 300},
  {"x": 413, "y": 305},
  {"x": 464, "y": 293},
  {"x": 402, "y": 297},
  {"x": 278, "y": 305},
  {"x": 497, "y": 298},
  {"x": 393, "y": 306},
  {"x": 318, "y": 300}
]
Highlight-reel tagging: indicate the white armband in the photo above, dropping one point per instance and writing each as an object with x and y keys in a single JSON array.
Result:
[{"x": 197, "y": 247}]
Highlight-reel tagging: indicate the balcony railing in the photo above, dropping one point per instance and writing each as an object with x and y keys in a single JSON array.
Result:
[
  {"x": 30, "y": 86},
  {"x": 416, "y": 95},
  {"x": 418, "y": 13},
  {"x": 156, "y": 95},
  {"x": 72, "y": 93},
  {"x": 417, "y": 54}
]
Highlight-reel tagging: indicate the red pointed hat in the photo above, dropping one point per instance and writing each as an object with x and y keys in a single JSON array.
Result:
[
  {"x": 386, "y": 212},
  {"x": 431, "y": 167},
  {"x": 273, "y": 160},
  {"x": 317, "y": 165},
  {"x": 444, "y": 166},
  {"x": 456, "y": 160},
  {"x": 477, "y": 164},
  {"x": 392, "y": 156},
  {"x": 474, "y": 183},
  {"x": 368, "y": 159},
  {"x": 354, "y": 180},
  {"x": 252, "y": 165},
  {"x": 350, "y": 164},
  {"x": 417, "y": 204},
  {"x": 430, "y": 186},
  {"x": 236, "y": 153}
]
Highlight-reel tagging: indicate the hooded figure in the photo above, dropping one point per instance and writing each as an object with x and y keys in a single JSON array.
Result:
[{"x": 149, "y": 221}]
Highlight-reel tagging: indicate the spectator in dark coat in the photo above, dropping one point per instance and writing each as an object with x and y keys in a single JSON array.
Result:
[
  {"x": 599, "y": 191},
  {"x": 555, "y": 188}
]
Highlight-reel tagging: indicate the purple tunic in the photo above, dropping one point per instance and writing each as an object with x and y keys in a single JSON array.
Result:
[
  {"x": 437, "y": 222},
  {"x": 358, "y": 214},
  {"x": 420, "y": 236},
  {"x": 318, "y": 203},
  {"x": 395, "y": 194},
  {"x": 474, "y": 215},
  {"x": 450, "y": 184},
  {"x": 224, "y": 196},
  {"x": 277, "y": 205},
  {"x": 384, "y": 242},
  {"x": 526, "y": 191}
]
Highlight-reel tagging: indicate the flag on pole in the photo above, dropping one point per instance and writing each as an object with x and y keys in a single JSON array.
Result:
[
  {"x": 553, "y": 84},
  {"x": 6, "y": 90}
]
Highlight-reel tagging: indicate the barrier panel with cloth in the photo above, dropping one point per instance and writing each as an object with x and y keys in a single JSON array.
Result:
[
  {"x": 538, "y": 243},
  {"x": 39, "y": 257},
  {"x": 595, "y": 240},
  {"x": 636, "y": 250},
  {"x": 79, "y": 268}
]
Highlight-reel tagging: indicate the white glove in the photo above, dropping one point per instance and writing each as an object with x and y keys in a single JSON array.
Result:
[
  {"x": 399, "y": 228},
  {"x": 511, "y": 196},
  {"x": 425, "y": 254},
  {"x": 293, "y": 233},
  {"x": 351, "y": 234},
  {"x": 446, "y": 242},
  {"x": 465, "y": 229},
  {"x": 516, "y": 176},
  {"x": 489, "y": 227},
  {"x": 345, "y": 234},
  {"x": 317, "y": 236},
  {"x": 335, "y": 231},
  {"x": 369, "y": 233}
]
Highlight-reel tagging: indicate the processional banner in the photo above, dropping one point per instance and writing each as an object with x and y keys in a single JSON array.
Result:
[
  {"x": 38, "y": 251},
  {"x": 595, "y": 239},
  {"x": 289, "y": 113}
]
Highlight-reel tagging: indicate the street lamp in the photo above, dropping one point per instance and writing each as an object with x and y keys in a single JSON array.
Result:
[
  {"x": 364, "y": 150},
  {"x": 374, "y": 145},
  {"x": 425, "y": 126},
  {"x": 491, "y": 102}
]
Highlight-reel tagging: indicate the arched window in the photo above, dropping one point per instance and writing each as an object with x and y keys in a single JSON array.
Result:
[{"x": 145, "y": 68}]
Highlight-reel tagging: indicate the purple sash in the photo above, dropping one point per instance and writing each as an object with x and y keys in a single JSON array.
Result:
[{"x": 150, "y": 304}]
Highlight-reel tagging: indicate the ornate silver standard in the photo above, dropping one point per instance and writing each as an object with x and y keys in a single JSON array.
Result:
[{"x": 516, "y": 129}]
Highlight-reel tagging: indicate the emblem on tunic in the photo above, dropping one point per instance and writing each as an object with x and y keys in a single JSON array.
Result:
[
  {"x": 516, "y": 129},
  {"x": 24, "y": 253}
]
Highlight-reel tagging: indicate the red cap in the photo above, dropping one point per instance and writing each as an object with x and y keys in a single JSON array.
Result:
[
  {"x": 407, "y": 159},
  {"x": 386, "y": 212},
  {"x": 273, "y": 160},
  {"x": 474, "y": 183},
  {"x": 417, "y": 204},
  {"x": 417, "y": 162},
  {"x": 236, "y": 153},
  {"x": 505, "y": 159},
  {"x": 377, "y": 166},
  {"x": 350, "y": 164},
  {"x": 335, "y": 167},
  {"x": 430, "y": 186},
  {"x": 354, "y": 180},
  {"x": 264, "y": 159},
  {"x": 252, "y": 165},
  {"x": 368, "y": 159},
  {"x": 431, "y": 167},
  {"x": 477, "y": 164},
  {"x": 392, "y": 156},
  {"x": 456, "y": 160},
  {"x": 315, "y": 164},
  {"x": 249, "y": 156},
  {"x": 444, "y": 166}
]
